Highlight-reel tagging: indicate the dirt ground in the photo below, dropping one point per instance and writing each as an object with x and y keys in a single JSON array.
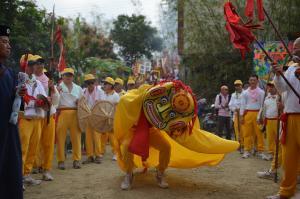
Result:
[{"x": 234, "y": 178}]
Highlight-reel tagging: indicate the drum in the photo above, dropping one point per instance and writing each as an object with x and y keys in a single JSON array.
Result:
[
  {"x": 102, "y": 117},
  {"x": 83, "y": 114}
]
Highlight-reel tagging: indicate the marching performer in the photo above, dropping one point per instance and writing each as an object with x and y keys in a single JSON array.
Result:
[
  {"x": 268, "y": 116},
  {"x": 30, "y": 123},
  {"x": 70, "y": 93},
  {"x": 46, "y": 147},
  {"x": 159, "y": 124},
  {"x": 252, "y": 101},
  {"x": 93, "y": 139},
  {"x": 111, "y": 96},
  {"x": 290, "y": 137},
  {"x": 235, "y": 106},
  {"x": 119, "y": 84}
]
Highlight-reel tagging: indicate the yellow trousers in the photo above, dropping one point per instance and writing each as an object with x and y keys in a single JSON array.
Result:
[
  {"x": 157, "y": 141},
  {"x": 251, "y": 131},
  {"x": 291, "y": 157},
  {"x": 92, "y": 142},
  {"x": 238, "y": 131},
  {"x": 67, "y": 120},
  {"x": 105, "y": 137},
  {"x": 30, "y": 132},
  {"x": 271, "y": 131}
]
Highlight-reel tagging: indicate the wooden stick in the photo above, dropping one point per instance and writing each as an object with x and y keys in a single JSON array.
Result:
[{"x": 277, "y": 144}]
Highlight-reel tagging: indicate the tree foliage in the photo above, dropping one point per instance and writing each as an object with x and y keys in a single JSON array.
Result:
[
  {"x": 209, "y": 58},
  {"x": 135, "y": 37}
]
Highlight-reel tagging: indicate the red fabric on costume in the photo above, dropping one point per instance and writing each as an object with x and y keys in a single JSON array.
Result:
[
  {"x": 249, "y": 8},
  {"x": 59, "y": 39},
  {"x": 139, "y": 144},
  {"x": 27, "y": 98},
  {"x": 284, "y": 119}
]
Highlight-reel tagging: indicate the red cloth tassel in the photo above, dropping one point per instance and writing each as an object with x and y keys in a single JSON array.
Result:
[
  {"x": 230, "y": 13},
  {"x": 260, "y": 10},
  {"x": 249, "y": 8},
  {"x": 139, "y": 144}
]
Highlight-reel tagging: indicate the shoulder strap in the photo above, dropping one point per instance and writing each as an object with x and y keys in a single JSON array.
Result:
[{"x": 220, "y": 99}]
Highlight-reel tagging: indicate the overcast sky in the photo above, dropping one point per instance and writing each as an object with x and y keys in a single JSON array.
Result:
[{"x": 109, "y": 8}]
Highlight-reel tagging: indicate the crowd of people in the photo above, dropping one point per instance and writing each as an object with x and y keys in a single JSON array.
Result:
[{"x": 49, "y": 110}]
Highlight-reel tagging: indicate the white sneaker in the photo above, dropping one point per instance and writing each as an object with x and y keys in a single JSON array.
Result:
[
  {"x": 266, "y": 174},
  {"x": 262, "y": 156},
  {"x": 246, "y": 155},
  {"x": 114, "y": 158},
  {"x": 31, "y": 181},
  {"x": 47, "y": 176},
  {"x": 273, "y": 197},
  {"x": 127, "y": 182},
  {"x": 161, "y": 180}
]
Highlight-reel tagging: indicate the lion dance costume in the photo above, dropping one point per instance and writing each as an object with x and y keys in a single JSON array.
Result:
[{"x": 157, "y": 126}]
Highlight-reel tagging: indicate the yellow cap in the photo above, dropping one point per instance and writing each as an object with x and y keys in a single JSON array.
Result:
[
  {"x": 45, "y": 70},
  {"x": 89, "y": 77},
  {"x": 110, "y": 80},
  {"x": 238, "y": 82},
  {"x": 130, "y": 81},
  {"x": 30, "y": 58},
  {"x": 68, "y": 70},
  {"x": 36, "y": 57},
  {"x": 119, "y": 81},
  {"x": 271, "y": 83}
]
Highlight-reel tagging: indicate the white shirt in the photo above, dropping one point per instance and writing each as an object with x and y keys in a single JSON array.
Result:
[
  {"x": 96, "y": 95},
  {"x": 270, "y": 108},
  {"x": 34, "y": 87},
  {"x": 235, "y": 102},
  {"x": 291, "y": 102},
  {"x": 55, "y": 102},
  {"x": 251, "y": 100},
  {"x": 112, "y": 97},
  {"x": 69, "y": 99}
]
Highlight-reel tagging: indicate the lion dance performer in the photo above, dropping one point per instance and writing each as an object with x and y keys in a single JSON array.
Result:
[{"x": 157, "y": 126}]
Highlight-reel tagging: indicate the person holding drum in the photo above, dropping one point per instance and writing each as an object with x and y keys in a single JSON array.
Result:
[
  {"x": 92, "y": 140},
  {"x": 113, "y": 97}
]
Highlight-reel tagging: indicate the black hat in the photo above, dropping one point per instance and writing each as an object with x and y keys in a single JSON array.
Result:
[{"x": 4, "y": 30}]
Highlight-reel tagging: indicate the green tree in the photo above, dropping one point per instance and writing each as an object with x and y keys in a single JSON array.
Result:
[{"x": 135, "y": 37}]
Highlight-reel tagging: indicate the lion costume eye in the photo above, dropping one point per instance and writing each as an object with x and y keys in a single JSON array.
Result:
[
  {"x": 164, "y": 100},
  {"x": 172, "y": 114}
]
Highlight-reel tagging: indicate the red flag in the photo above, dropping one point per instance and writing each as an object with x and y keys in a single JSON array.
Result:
[
  {"x": 240, "y": 34},
  {"x": 59, "y": 39},
  {"x": 250, "y": 9}
]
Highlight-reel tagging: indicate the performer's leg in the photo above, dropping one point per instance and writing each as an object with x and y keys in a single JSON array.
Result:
[
  {"x": 61, "y": 134},
  {"x": 25, "y": 130},
  {"x": 236, "y": 129},
  {"x": 104, "y": 137},
  {"x": 157, "y": 141},
  {"x": 290, "y": 150},
  {"x": 89, "y": 144},
  {"x": 126, "y": 159},
  {"x": 33, "y": 146},
  {"x": 259, "y": 135},
  {"x": 75, "y": 135},
  {"x": 248, "y": 132},
  {"x": 47, "y": 141},
  {"x": 220, "y": 126},
  {"x": 97, "y": 143},
  {"x": 271, "y": 131},
  {"x": 227, "y": 128}
]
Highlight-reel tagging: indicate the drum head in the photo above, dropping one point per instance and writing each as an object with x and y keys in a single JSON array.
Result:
[
  {"x": 102, "y": 116},
  {"x": 83, "y": 114}
]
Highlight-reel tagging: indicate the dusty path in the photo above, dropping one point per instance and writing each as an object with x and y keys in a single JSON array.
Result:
[{"x": 234, "y": 178}]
